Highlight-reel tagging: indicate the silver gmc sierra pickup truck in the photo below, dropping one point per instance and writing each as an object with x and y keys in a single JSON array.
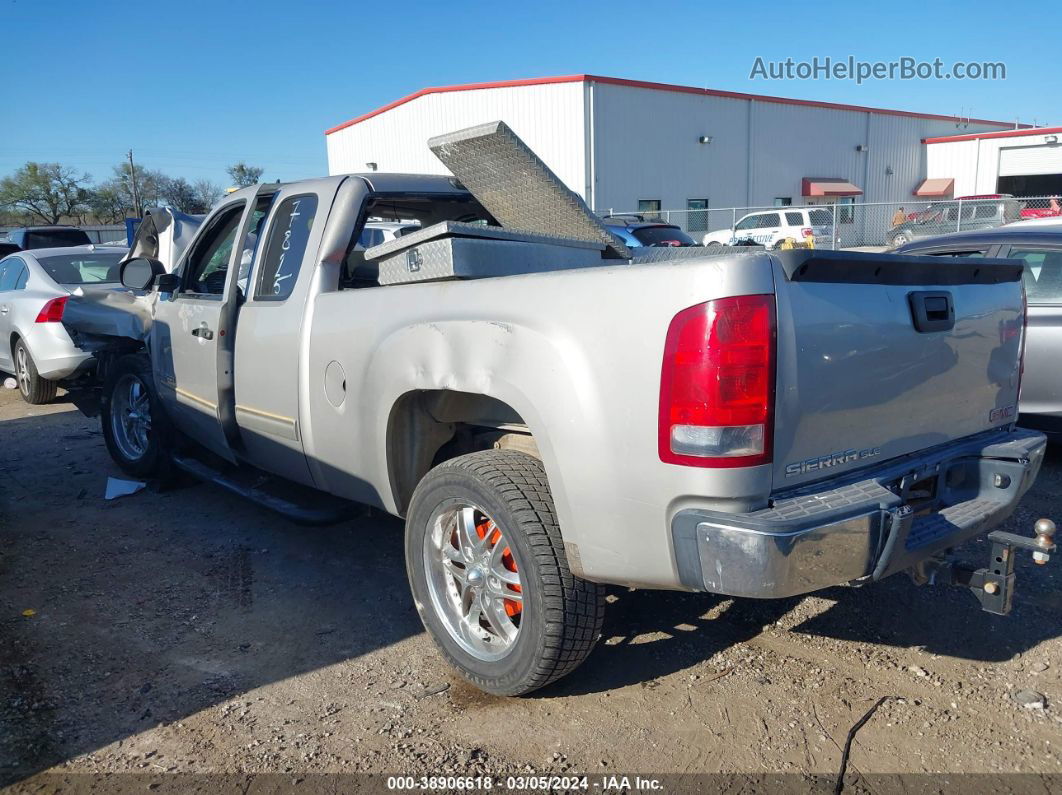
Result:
[{"x": 551, "y": 412}]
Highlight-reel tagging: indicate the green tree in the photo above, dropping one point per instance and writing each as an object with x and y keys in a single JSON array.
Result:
[
  {"x": 244, "y": 175},
  {"x": 47, "y": 192},
  {"x": 109, "y": 203}
]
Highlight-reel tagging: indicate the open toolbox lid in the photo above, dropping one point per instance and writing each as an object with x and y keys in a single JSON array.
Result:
[{"x": 518, "y": 189}]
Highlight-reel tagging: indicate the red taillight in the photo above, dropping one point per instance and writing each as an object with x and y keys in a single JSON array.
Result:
[
  {"x": 52, "y": 312},
  {"x": 807, "y": 231},
  {"x": 717, "y": 384}
]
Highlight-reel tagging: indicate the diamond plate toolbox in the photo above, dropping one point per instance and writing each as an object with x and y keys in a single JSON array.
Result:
[{"x": 467, "y": 251}]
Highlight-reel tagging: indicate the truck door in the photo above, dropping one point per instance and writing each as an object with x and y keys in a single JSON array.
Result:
[
  {"x": 278, "y": 301},
  {"x": 187, "y": 328}
]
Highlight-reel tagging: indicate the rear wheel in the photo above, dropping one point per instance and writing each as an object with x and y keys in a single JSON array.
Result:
[
  {"x": 34, "y": 389},
  {"x": 900, "y": 239},
  {"x": 135, "y": 426},
  {"x": 489, "y": 575}
]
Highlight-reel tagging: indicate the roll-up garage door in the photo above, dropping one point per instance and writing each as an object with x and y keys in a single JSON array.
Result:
[{"x": 1022, "y": 160}]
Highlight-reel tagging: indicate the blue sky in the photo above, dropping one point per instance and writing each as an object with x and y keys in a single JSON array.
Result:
[{"x": 194, "y": 86}]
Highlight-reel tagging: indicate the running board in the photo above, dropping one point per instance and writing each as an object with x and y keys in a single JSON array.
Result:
[{"x": 300, "y": 504}]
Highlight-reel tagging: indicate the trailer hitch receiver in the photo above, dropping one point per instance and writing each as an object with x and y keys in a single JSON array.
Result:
[{"x": 993, "y": 585}]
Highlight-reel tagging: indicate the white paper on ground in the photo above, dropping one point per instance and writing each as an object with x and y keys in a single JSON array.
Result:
[
  {"x": 121, "y": 488},
  {"x": 10, "y": 383}
]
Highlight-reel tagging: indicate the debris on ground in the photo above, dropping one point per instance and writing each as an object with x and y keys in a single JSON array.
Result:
[
  {"x": 1030, "y": 699},
  {"x": 116, "y": 487}
]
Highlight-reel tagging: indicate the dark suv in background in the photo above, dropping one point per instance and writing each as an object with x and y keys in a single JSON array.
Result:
[{"x": 27, "y": 238}]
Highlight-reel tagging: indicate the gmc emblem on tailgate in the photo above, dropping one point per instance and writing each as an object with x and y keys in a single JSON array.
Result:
[{"x": 998, "y": 415}]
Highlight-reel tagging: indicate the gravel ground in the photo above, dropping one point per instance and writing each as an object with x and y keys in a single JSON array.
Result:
[{"x": 191, "y": 632}]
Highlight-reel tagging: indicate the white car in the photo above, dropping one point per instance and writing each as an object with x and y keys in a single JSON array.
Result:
[
  {"x": 34, "y": 288},
  {"x": 770, "y": 227}
]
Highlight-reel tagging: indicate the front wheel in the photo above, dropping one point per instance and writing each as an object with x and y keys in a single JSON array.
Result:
[
  {"x": 135, "y": 426},
  {"x": 900, "y": 239},
  {"x": 34, "y": 389},
  {"x": 490, "y": 578}
]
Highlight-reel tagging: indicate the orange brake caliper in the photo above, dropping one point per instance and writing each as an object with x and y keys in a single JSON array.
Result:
[{"x": 512, "y": 607}]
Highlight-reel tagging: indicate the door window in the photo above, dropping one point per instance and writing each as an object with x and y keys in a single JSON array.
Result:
[
  {"x": 749, "y": 222},
  {"x": 967, "y": 253},
  {"x": 697, "y": 215},
  {"x": 649, "y": 209},
  {"x": 10, "y": 271},
  {"x": 846, "y": 209},
  {"x": 285, "y": 248},
  {"x": 208, "y": 263},
  {"x": 769, "y": 220},
  {"x": 1042, "y": 274},
  {"x": 794, "y": 219}
]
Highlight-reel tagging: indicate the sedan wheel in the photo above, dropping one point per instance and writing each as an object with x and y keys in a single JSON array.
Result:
[{"x": 34, "y": 389}]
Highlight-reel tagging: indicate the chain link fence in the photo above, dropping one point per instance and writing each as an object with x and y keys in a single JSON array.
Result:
[{"x": 845, "y": 224}]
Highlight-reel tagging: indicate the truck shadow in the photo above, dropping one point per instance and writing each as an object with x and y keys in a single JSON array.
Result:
[{"x": 155, "y": 607}]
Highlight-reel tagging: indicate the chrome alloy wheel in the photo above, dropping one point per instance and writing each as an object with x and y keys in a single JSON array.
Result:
[
  {"x": 22, "y": 369},
  {"x": 131, "y": 416},
  {"x": 473, "y": 580}
]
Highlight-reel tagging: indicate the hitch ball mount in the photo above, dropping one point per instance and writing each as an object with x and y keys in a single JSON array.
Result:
[{"x": 993, "y": 585}]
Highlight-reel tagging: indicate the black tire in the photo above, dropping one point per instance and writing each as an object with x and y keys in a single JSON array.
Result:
[
  {"x": 900, "y": 239},
  {"x": 562, "y": 614},
  {"x": 31, "y": 386},
  {"x": 155, "y": 460},
  {"x": 713, "y": 244}
]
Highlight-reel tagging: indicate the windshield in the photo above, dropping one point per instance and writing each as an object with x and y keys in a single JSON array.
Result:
[
  {"x": 663, "y": 236},
  {"x": 72, "y": 269},
  {"x": 56, "y": 238}
]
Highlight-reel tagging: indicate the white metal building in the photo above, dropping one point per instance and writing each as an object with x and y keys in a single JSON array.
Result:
[
  {"x": 1020, "y": 162},
  {"x": 627, "y": 145}
]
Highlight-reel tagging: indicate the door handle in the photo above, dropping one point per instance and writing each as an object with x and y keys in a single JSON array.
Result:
[
  {"x": 203, "y": 331},
  {"x": 4, "y": 309}
]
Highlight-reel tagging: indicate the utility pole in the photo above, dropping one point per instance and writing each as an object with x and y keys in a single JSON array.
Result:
[{"x": 137, "y": 209}]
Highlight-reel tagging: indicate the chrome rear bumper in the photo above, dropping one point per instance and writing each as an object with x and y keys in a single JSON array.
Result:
[{"x": 883, "y": 520}]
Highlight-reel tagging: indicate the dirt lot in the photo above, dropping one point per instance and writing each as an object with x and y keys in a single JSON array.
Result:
[{"x": 189, "y": 631}]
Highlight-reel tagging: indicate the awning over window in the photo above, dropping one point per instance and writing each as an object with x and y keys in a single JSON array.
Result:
[
  {"x": 935, "y": 187},
  {"x": 820, "y": 186}
]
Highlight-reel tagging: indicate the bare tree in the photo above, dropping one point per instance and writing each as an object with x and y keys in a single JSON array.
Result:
[
  {"x": 207, "y": 193},
  {"x": 47, "y": 192}
]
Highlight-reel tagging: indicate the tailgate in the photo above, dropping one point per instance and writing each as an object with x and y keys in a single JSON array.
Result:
[{"x": 884, "y": 355}]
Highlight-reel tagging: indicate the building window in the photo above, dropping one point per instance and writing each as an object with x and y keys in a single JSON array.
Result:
[
  {"x": 649, "y": 209},
  {"x": 696, "y": 215},
  {"x": 846, "y": 209},
  {"x": 783, "y": 201}
]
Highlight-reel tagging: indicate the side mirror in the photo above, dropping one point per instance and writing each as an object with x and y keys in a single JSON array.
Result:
[{"x": 140, "y": 273}]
